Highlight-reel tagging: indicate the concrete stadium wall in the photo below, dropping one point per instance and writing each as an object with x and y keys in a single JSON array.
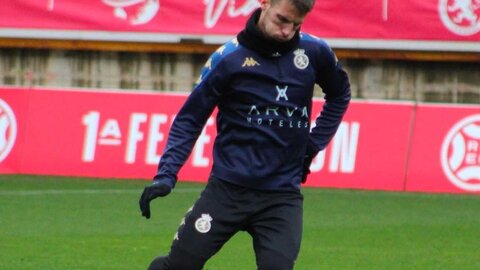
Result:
[{"x": 421, "y": 81}]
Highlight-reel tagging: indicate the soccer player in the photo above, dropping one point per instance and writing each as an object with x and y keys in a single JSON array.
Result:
[{"x": 262, "y": 84}]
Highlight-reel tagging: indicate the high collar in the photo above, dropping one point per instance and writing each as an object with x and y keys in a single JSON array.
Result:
[{"x": 254, "y": 39}]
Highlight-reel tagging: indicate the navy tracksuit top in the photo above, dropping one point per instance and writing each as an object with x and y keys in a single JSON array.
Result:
[{"x": 264, "y": 110}]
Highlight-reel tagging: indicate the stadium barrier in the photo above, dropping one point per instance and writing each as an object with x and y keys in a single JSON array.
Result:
[{"x": 380, "y": 145}]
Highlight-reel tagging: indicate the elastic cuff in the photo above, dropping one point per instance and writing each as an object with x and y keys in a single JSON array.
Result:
[{"x": 164, "y": 180}]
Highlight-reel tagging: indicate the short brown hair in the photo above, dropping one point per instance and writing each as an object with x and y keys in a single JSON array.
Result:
[{"x": 303, "y": 6}]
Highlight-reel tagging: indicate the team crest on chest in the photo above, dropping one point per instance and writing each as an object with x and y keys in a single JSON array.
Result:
[
  {"x": 203, "y": 224},
  {"x": 300, "y": 60}
]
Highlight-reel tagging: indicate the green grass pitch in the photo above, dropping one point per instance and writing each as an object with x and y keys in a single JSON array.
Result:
[{"x": 59, "y": 223}]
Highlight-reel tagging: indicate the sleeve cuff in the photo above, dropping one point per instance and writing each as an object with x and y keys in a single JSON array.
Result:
[{"x": 167, "y": 181}]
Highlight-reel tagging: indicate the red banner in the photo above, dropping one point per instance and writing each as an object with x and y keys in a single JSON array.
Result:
[
  {"x": 445, "y": 150},
  {"x": 369, "y": 149},
  {"x": 402, "y": 24},
  {"x": 119, "y": 134},
  {"x": 13, "y": 119}
]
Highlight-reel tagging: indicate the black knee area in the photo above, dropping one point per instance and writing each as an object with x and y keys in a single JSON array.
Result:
[
  {"x": 178, "y": 259},
  {"x": 273, "y": 261},
  {"x": 181, "y": 259},
  {"x": 159, "y": 263}
]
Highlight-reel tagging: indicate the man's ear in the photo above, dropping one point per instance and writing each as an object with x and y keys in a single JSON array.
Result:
[{"x": 264, "y": 4}]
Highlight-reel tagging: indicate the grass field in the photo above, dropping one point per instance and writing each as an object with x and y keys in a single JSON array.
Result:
[{"x": 52, "y": 223}]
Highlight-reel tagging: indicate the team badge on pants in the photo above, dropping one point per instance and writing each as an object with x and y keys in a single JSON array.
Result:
[{"x": 203, "y": 224}]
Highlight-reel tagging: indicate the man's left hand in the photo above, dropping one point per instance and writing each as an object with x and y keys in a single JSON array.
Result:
[{"x": 151, "y": 192}]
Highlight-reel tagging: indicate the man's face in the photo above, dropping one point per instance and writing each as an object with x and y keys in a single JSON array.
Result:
[{"x": 279, "y": 20}]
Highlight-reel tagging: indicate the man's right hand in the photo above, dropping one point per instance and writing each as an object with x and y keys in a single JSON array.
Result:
[
  {"x": 151, "y": 192},
  {"x": 307, "y": 160}
]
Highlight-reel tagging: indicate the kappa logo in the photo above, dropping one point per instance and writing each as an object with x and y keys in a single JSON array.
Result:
[
  {"x": 136, "y": 12},
  {"x": 461, "y": 17},
  {"x": 460, "y": 154},
  {"x": 182, "y": 224},
  {"x": 221, "y": 49},
  {"x": 204, "y": 223},
  {"x": 250, "y": 62},
  {"x": 8, "y": 129},
  {"x": 199, "y": 80}
]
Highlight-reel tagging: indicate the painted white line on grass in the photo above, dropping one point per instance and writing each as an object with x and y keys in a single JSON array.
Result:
[{"x": 84, "y": 191}]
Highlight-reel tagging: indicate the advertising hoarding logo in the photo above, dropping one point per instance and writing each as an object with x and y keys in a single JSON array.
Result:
[
  {"x": 460, "y": 154},
  {"x": 462, "y": 17},
  {"x": 144, "y": 10},
  {"x": 214, "y": 10},
  {"x": 8, "y": 129}
]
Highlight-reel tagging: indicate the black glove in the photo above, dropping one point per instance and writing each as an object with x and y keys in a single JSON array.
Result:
[
  {"x": 307, "y": 160},
  {"x": 151, "y": 192}
]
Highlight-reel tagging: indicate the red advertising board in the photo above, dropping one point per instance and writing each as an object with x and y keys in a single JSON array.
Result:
[
  {"x": 121, "y": 134},
  {"x": 402, "y": 24},
  {"x": 90, "y": 133},
  {"x": 445, "y": 150},
  {"x": 13, "y": 118},
  {"x": 101, "y": 134},
  {"x": 369, "y": 149}
]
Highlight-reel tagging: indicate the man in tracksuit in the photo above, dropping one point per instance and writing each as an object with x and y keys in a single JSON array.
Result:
[{"x": 262, "y": 84}]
